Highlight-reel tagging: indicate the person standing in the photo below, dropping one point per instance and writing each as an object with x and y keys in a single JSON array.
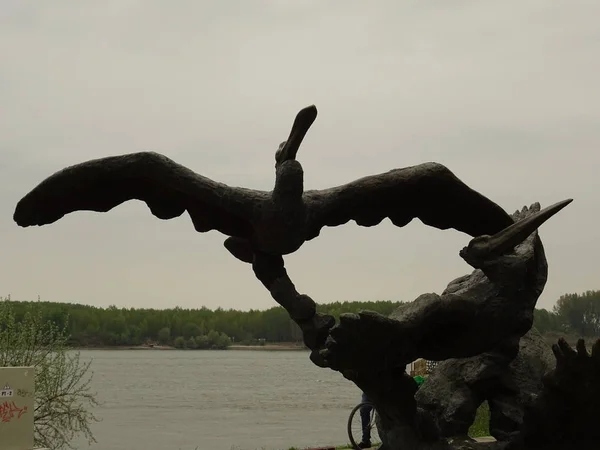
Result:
[{"x": 365, "y": 419}]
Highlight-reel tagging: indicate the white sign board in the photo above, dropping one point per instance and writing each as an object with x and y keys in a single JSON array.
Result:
[{"x": 17, "y": 386}]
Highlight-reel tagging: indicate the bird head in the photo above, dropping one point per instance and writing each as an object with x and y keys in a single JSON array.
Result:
[
  {"x": 289, "y": 173},
  {"x": 288, "y": 149},
  {"x": 516, "y": 240}
]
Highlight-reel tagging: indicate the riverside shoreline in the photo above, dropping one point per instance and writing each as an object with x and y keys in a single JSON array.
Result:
[
  {"x": 266, "y": 347},
  {"x": 269, "y": 347}
]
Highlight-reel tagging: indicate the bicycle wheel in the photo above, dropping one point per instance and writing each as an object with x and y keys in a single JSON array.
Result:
[{"x": 355, "y": 429}]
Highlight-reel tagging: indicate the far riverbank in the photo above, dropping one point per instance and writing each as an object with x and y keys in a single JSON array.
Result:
[
  {"x": 266, "y": 347},
  {"x": 269, "y": 347},
  {"x": 550, "y": 338}
]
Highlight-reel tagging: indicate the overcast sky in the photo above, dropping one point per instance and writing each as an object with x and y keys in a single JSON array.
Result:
[{"x": 505, "y": 93}]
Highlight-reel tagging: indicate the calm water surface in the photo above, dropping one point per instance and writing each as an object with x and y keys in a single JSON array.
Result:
[{"x": 216, "y": 400}]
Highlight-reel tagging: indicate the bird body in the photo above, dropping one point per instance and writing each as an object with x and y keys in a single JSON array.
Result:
[{"x": 282, "y": 228}]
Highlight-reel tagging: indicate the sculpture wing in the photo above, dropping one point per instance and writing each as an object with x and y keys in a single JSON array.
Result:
[
  {"x": 429, "y": 192},
  {"x": 166, "y": 187}
]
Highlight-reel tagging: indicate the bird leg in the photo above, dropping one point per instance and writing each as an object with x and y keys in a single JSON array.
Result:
[
  {"x": 240, "y": 248},
  {"x": 270, "y": 270}
]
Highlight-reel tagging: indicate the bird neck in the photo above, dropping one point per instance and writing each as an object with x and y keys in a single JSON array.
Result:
[{"x": 289, "y": 182}]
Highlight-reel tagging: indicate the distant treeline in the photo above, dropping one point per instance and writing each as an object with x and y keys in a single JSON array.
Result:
[
  {"x": 573, "y": 313},
  {"x": 90, "y": 326}
]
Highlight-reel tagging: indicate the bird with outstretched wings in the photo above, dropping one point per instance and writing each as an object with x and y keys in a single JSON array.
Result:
[{"x": 276, "y": 222}]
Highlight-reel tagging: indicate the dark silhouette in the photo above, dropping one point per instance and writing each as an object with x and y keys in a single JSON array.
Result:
[
  {"x": 276, "y": 222},
  {"x": 481, "y": 315},
  {"x": 485, "y": 313},
  {"x": 474, "y": 314}
]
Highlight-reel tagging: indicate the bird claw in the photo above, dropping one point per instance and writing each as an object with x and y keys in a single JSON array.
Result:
[
  {"x": 565, "y": 414},
  {"x": 576, "y": 364},
  {"x": 526, "y": 212},
  {"x": 363, "y": 341}
]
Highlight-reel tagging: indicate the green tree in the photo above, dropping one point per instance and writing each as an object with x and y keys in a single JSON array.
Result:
[
  {"x": 117, "y": 325},
  {"x": 63, "y": 396},
  {"x": 202, "y": 342},
  {"x": 213, "y": 338},
  {"x": 191, "y": 329},
  {"x": 580, "y": 312},
  {"x": 546, "y": 321},
  {"x": 164, "y": 336},
  {"x": 222, "y": 342},
  {"x": 179, "y": 342}
]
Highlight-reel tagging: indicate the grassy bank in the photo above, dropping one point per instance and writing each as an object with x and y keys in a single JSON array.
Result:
[{"x": 481, "y": 425}]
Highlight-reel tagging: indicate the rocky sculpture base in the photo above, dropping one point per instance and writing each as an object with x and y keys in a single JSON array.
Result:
[{"x": 457, "y": 387}]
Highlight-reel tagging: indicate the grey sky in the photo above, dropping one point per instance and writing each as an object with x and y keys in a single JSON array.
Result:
[{"x": 506, "y": 94}]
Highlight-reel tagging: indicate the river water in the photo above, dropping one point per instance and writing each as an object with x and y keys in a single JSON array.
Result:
[{"x": 216, "y": 400}]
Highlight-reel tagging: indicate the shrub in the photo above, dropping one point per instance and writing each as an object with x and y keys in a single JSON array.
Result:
[
  {"x": 63, "y": 394},
  {"x": 179, "y": 342}
]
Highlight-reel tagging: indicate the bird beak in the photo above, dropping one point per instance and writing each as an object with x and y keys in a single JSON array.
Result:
[
  {"x": 507, "y": 239},
  {"x": 304, "y": 120}
]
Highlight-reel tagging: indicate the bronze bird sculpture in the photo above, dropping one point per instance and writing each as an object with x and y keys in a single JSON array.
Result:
[{"x": 276, "y": 222}]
